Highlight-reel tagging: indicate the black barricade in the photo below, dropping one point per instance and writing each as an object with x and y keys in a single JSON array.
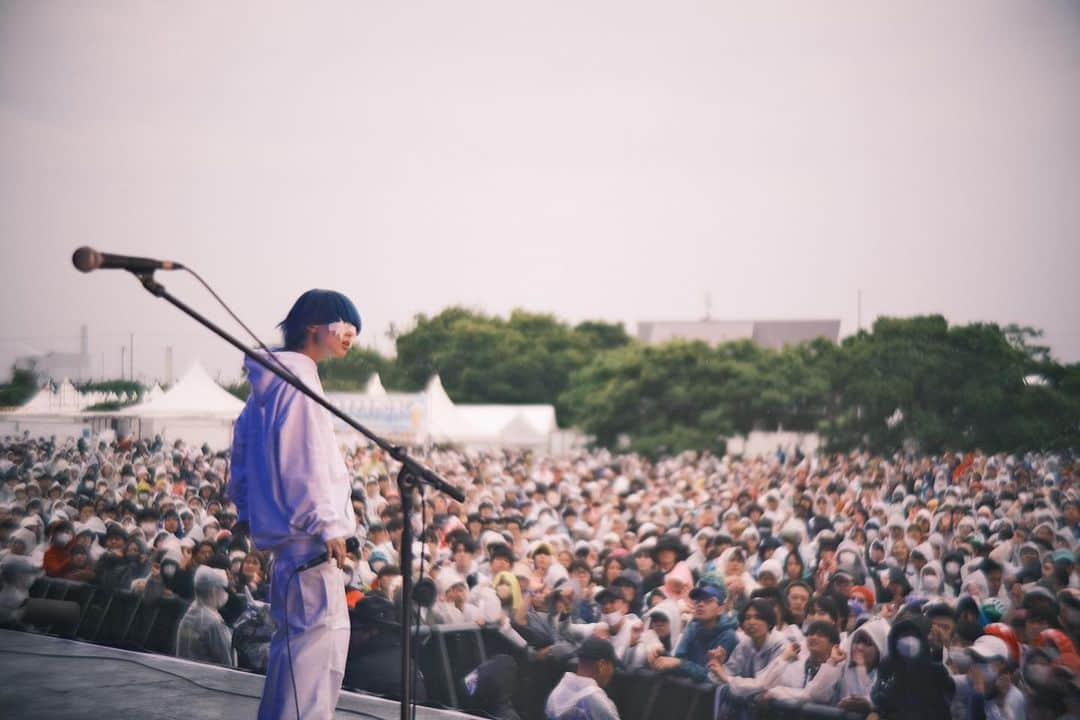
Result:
[
  {"x": 446, "y": 656},
  {"x": 118, "y": 617}
]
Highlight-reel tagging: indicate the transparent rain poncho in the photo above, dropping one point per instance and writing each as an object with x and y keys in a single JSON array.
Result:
[
  {"x": 203, "y": 634},
  {"x": 579, "y": 698}
]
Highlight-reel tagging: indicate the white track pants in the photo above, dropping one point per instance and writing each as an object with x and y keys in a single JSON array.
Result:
[{"x": 312, "y": 606}]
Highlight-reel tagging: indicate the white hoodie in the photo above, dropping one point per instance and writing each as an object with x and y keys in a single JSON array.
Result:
[{"x": 288, "y": 478}]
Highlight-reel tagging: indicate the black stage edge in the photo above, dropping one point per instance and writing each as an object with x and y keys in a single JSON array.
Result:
[{"x": 113, "y": 688}]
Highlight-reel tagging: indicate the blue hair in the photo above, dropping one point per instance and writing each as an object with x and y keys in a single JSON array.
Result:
[{"x": 316, "y": 307}]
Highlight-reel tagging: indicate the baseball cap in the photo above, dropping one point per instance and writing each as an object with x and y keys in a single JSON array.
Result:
[
  {"x": 595, "y": 648},
  {"x": 706, "y": 591},
  {"x": 989, "y": 647}
]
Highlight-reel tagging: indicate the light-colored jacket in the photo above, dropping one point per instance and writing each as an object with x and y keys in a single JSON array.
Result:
[
  {"x": 579, "y": 698},
  {"x": 288, "y": 478}
]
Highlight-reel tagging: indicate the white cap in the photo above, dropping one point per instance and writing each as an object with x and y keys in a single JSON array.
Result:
[{"x": 990, "y": 647}]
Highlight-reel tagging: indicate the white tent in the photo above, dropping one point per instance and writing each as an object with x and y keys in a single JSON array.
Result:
[
  {"x": 44, "y": 401},
  {"x": 196, "y": 395},
  {"x": 155, "y": 392},
  {"x": 509, "y": 424},
  {"x": 374, "y": 386}
]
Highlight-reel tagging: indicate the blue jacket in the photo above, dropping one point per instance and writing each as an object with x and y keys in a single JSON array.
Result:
[{"x": 697, "y": 641}]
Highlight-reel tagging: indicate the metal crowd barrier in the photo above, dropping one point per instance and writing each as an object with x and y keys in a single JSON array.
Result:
[
  {"x": 446, "y": 655},
  {"x": 118, "y": 618}
]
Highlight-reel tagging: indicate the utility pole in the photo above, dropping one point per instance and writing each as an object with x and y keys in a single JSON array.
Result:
[
  {"x": 131, "y": 359},
  {"x": 123, "y": 360},
  {"x": 858, "y": 311}
]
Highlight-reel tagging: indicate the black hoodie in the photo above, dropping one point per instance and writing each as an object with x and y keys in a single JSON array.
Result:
[{"x": 919, "y": 688}]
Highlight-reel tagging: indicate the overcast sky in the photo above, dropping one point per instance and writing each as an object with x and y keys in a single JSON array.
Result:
[{"x": 615, "y": 160}]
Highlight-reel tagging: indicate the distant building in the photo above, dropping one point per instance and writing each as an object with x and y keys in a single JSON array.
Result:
[
  {"x": 773, "y": 334},
  {"x": 60, "y": 365}
]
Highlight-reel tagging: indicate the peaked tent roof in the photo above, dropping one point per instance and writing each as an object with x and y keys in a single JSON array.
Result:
[
  {"x": 195, "y": 395},
  {"x": 374, "y": 386}
]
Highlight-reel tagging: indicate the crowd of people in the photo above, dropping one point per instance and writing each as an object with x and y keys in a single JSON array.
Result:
[{"x": 906, "y": 586}]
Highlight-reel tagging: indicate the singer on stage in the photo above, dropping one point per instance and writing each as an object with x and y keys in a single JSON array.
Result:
[{"x": 291, "y": 487}]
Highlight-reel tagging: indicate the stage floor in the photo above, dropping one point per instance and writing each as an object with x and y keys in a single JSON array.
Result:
[{"x": 111, "y": 687}]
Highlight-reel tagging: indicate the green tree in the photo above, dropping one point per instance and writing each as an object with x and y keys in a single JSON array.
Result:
[
  {"x": 526, "y": 358},
  {"x": 352, "y": 372},
  {"x": 955, "y": 387},
  {"x": 22, "y": 387}
]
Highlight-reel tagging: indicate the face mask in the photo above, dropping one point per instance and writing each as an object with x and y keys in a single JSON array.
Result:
[
  {"x": 686, "y": 538},
  {"x": 219, "y": 597},
  {"x": 908, "y": 647},
  {"x": 149, "y": 528},
  {"x": 931, "y": 583},
  {"x": 63, "y": 538},
  {"x": 168, "y": 571},
  {"x": 960, "y": 659},
  {"x": 989, "y": 672},
  {"x": 952, "y": 569},
  {"x": 612, "y": 618}
]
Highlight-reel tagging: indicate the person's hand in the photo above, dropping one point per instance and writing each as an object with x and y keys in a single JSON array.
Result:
[
  {"x": 155, "y": 570},
  {"x": 837, "y": 655},
  {"x": 635, "y": 632},
  {"x": 335, "y": 551},
  {"x": 718, "y": 654},
  {"x": 543, "y": 653},
  {"x": 855, "y": 703},
  {"x": 888, "y": 611},
  {"x": 1003, "y": 683},
  {"x": 976, "y": 679},
  {"x": 790, "y": 653},
  {"x": 664, "y": 663},
  {"x": 601, "y": 631},
  {"x": 718, "y": 669}
]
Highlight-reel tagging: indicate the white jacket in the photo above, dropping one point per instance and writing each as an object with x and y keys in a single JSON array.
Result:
[{"x": 288, "y": 478}]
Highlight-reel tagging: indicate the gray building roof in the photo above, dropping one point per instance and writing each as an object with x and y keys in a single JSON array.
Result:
[{"x": 773, "y": 334}]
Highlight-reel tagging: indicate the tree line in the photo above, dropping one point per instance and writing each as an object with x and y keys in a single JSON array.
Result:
[{"x": 906, "y": 380}]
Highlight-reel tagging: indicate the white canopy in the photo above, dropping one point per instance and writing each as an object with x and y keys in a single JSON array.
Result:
[
  {"x": 66, "y": 400},
  {"x": 196, "y": 395},
  {"x": 432, "y": 416},
  {"x": 374, "y": 386}
]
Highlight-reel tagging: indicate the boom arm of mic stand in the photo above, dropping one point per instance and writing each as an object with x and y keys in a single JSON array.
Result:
[{"x": 416, "y": 470}]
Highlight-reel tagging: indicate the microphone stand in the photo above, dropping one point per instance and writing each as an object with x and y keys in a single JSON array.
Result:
[{"x": 411, "y": 474}]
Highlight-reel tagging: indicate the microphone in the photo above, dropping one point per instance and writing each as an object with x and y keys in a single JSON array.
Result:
[
  {"x": 87, "y": 259},
  {"x": 351, "y": 545}
]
